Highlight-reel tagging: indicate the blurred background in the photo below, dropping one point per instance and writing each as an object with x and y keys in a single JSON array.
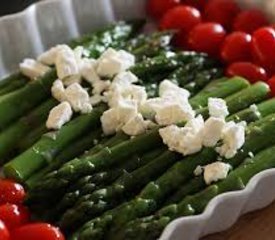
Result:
[{"x": 12, "y": 6}]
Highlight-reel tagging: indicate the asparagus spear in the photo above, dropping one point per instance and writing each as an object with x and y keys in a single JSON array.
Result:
[
  {"x": 16, "y": 81},
  {"x": 123, "y": 188},
  {"x": 243, "y": 99},
  {"x": 10, "y": 136},
  {"x": 153, "y": 194},
  {"x": 151, "y": 227},
  {"x": 50, "y": 145},
  {"x": 73, "y": 150}
]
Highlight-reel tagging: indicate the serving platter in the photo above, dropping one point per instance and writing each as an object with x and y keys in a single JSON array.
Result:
[{"x": 48, "y": 23}]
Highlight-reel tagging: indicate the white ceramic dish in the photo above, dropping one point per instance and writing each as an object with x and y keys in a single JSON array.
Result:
[{"x": 47, "y": 23}]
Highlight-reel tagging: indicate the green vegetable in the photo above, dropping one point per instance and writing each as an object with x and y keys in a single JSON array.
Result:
[
  {"x": 220, "y": 89},
  {"x": 16, "y": 81},
  {"x": 151, "y": 227},
  {"x": 124, "y": 187},
  {"x": 243, "y": 99},
  {"x": 45, "y": 150},
  {"x": 9, "y": 137}
]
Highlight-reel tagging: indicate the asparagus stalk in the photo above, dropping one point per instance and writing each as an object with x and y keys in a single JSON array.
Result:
[
  {"x": 241, "y": 100},
  {"x": 16, "y": 82},
  {"x": 153, "y": 194},
  {"x": 73, "y": 150},
  {"x": 10, "y": 136},
  {"x": 151, "y": 227},
  {"x": 50, "y": 145},
  {"x": 123, "y": 188}
]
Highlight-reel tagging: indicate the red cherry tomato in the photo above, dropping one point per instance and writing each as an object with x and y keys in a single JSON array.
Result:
[
  {"x": 4, "y": 233},
  {"x": 35, "y": 231},
  {"x": 13, "y": 216},
  {"x": 199, "y": 4},
  {"x": 248, "y": 70},
  {"x": 183, "y": 18},
  {"x": 263, "y": 47},
  {"x": 207, "y": 37},
  {"x": 11, "y": 192},
  {"x": 271, "y": 83},
  {"x": 249, "y": 21},
  {"x": 236, "y": 47},
  {"x": 157, "y": 8},
  {"x": 221, "y": 11}
]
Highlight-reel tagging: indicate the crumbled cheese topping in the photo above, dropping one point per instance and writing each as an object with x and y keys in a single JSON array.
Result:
[
  {"x": 185, "y": 140},
  {"x": 49, "y": 57},
  {"x": 58, "y": 90},
  {"x": 79, "y": 98},
  {"x": 215, "y": 171},
  {"x": 198, "y": 171},
  {"x": 113, "y": 62},
  {"x": 33, "y": 69},
  {"x": 135, "y": 126},
  {"x": 255, "y": 109},
  {"x": 217, "y": 108},
  {"x": 59, "y": 115},
  {"x": 233, "y": 137},
  {"x": 67, "y": 66},
  {"x": 212, "y": 131}
]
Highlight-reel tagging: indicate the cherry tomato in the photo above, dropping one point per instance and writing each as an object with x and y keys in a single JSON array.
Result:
[
  {"x": 13, "y": 216},
  {"x": 199, "y": 4},
  {"x": 263, "y": 47},
  {"x": 183, "y": 18},
  {"x": 271, "y": 83},
  {"x": 249, "y": 21},
  {"x": 221, "y": 11},
  {"x": 4, "y": 233},
  {"x": 236, "y": 47},
  {"x": 35, "y": 231},
  {"x": 207, "y": 37},
  {"x": 157, "y": 8},
  {"x": 11, "y": 192},
  {"x": 248, "y": 70}
]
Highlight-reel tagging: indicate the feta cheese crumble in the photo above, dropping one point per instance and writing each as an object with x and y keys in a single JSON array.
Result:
[
  {"x": 185, "y": 140},
  {"x": 135, "y": 126},
  {"x": 59, "y": 115},
  {"x": 67, "y": 66},
  {"x": 33, "y": 69},
  {"x": 215, "y": 171},
  {"x": 233, "y": 137},
  {"x": 112, "y": 62},
  {"x": 212, "y": 131},
  {"x": 217, "y": 108},
  {"x": 49, "y": 57},
  {"x": 79, "y": 98},
  {"x": 58, "y": 90}
]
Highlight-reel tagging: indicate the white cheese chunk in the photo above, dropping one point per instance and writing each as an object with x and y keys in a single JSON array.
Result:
[
  {"x": 198, "y": 171},
  {"x": 96, "y": 99},
  {"x": 59, "y": 115},
  {"x": 67, "y": 66},
  {"x": 212, "y": 131},
  {"x": 88, "y": 70},
  {"x": 233, "y": 138},
  {"x": 255, "y": 109},
  {"x": 58, "y": 90},
  {"x": 78, "y": 97},
  {"x": 173, "y": 113},
  {"x": 124, "y": 79},
  {"x": 113, "y": 62},
  {"x": 49, "y": 57},
  {"x": 33, "y": 69},
  {"x": 186, "y": 140},
  {"x": 149, "y": 107},
  {"x": 168, "y": 88},
  {"x": 215, "y": 171},
  {"x": 101, "y": 86},
  {"x": 135, "y": 126},
  {"x": 217, "y": 108},
  {"x": 115, "y": 118}
]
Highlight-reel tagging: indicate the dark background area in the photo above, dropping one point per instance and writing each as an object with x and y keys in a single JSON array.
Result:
[{"x": 12, "y": 6}]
